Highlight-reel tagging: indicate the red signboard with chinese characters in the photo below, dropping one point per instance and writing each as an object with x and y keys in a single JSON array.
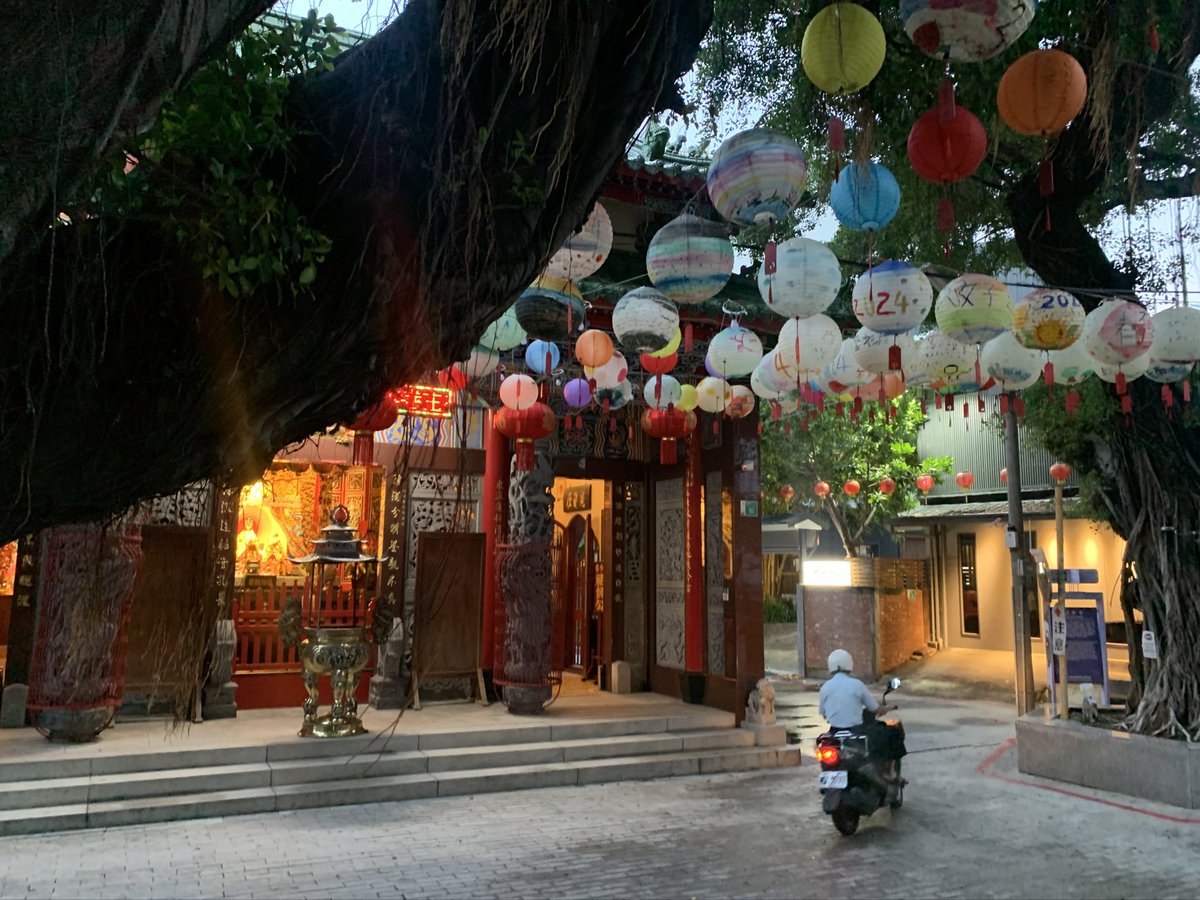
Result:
[{"x": 423, "y": 400}]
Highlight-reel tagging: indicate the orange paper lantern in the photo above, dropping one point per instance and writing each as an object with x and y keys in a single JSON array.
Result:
[
  {"x": 593, "y": 348},
  {"x": 852, "y": 487},
  {"x": 821, "y": 489},
  {"x": 1060, "y": 472},
  {"x": 1041, "y": 92}
]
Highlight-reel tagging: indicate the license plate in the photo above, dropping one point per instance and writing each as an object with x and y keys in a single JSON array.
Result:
[{"x": 833, "y": 780}]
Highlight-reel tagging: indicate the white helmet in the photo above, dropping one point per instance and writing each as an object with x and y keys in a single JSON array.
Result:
[{"x": 840, "y": 661}]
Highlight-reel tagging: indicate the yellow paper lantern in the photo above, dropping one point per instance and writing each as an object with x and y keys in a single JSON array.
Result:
[
  {"x": 688, "y": 399},
  {"x": 843, "y": 48},
  {"x": 672, "y": 346}
]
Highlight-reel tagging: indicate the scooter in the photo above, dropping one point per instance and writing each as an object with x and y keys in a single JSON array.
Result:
[{"x": 851, "y": 781}]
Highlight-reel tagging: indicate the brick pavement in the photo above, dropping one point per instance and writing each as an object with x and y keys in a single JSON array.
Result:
[{"x": 759, "y": 834}]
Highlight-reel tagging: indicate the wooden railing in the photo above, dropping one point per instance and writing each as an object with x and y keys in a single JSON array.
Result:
[{"x": 256, "y": 623}]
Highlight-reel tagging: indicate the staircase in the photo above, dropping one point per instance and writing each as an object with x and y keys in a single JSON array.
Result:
[{"x": 102, "y": 791}]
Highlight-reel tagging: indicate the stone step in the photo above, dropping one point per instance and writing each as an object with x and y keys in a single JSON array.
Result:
[{"x": 379, "y": 788}]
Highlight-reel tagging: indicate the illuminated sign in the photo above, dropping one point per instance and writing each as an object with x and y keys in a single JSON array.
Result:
[
  {"x": 827, "y": 573},
  {"x": 422, "y": 400}
]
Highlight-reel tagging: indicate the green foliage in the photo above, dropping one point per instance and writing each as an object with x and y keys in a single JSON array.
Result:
[
  {"x": 212, "y": 166},
  {"x": 835, "y": 449},
  {"x": 777, "y": 610}
]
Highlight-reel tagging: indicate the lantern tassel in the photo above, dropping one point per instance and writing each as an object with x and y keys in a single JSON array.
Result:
[
  {"x": 1072, "y": 402},
  {"x": 1168, "y": 399},
  {"x": 894, "y": 358},
  {"x": 837, "y": 143},
  {"x": 666, "y": 452},
  {"x": 946, "y": 107},
  {"x": 840, "y": 409},
  {"x": 821, "y": 402},
  {"x": 1019, "y": 407},
  {"x": 945, "y": 215},
  {"x": 1122, "y": 384},
  {"x": 1048, "y": 373},
  {"x": 776, "y": 411},
  {"x": 924, "y": 408},
  {"x": 982, "y": 408},
  {"x": 687, "y": 338},
  {"x": 1004, "y": 404},
  {"x": 1187, "y": 391},
  {"x": 524, "y": 456},
  {"x": 363, "y": 448}
]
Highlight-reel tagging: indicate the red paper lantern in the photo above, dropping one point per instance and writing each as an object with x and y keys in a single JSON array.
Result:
[
  {"x": 1060, "y": 472},
  {"x": 659, "y": 365},
  {"x": 945, "y": 149},
  {"x": 964, "y": 480},
  {"x": 886, "y": 485},
  {"x": 786, "y": 493},
  {"x": 821, "y": 489},
  {"x": 1004, "y": 476},
  {"x": 525, "y": 426},
  {"x": 452, "y": 377},
  {"x": 668, "y": 425},
  {"x": 852, "y": 487},
  {"x": 379, "y": 417},
  {"x": 924, "y": 483}
]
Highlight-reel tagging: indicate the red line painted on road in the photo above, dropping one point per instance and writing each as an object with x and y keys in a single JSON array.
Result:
[{"x": 984, "y": 767}]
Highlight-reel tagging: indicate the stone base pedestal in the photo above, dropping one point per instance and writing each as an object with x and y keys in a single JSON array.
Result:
[
  {"x": 774, "y": 735},
  {"x": 73, "y": 726},
  {"x": 218, "y": 699},
  {"x": 526, "y": 701},
  {"x": 220, "y": 702},
  {"x": 388, "y": 690},
  {"x": 12, "y": 706},
  {"x": 622, "y": 677},
  {"x": 387, "y": 693}
]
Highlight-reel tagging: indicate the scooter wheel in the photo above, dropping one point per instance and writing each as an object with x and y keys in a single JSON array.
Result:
[
  {"x": 845, "y": 821},
  {"x": 899, "y": 801}
]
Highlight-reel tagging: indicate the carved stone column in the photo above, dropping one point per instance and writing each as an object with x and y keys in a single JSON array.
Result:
[
  {"x": 387, "y": 689},
  {"x": 219, "y": 698}
]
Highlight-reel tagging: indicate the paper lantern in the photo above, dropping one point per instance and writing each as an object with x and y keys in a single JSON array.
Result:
[
  {"x": 883, "y": 353},
  {"x": 1048, "y": 319},
  {"x": 734, "y": 351},
  {"x": 786, "y": 493},
  {"x": 452, "y": 377},
  {"x": 892, "y": 297},
  {"x": 672, "y": 346},
  {"x": 763, "y": 387},
  {"x": 821, "y": 489},
  {"x": 887, "y": 485},
  {"x": 668, "y": 425},
  {"x": 1072, "y": 364},
  {"x": 593, "y": 348},
  {"x": 924, "y": 483},
  {"x": 946, "y": 151},
  {"x": 950, "y": 363},
  {"x": 503, "y": 334},
  {"x": 741, "y": 402},
  {"x": 1176, "y": 335},
  {"x": 662, "y": 391},
  {"x": 964, "y": 480},
  {"x": 578, "y": 393},
  {"x": 481, "y": 363},
  {"x": 1041, "y": 92},
  {"x": 611, "y": 373},
  {"x": 518, "y": 391},
  {"x": 549, "y": 308},
  {"x": 542, "y": 357},
  {"x": 852, "y": 488},
  {"x": 1167, "y": 372},
  {"x": 806, "y": 346},
  {"x": 843, "y": 48},
  {"x": 965, "y": 30},
  {"x": 525, "y": 425},
  {"x": 757, "y": 176},
  {"x": 659, "y": 365},
  {"x": 1123, "y": 372},
  {"x": 771, "y": 380},
  {"x": 689, "y": 399},
  {"x": 1118, "y": 332},
  {"x": 614, "y": 398},
  {"x": 865, "y": 197},
  {"x": 690, "y": 259},
  {"x": 584, "y": 251},
  {"x": 843, "y": 372},
  {"x": 806, "y": 279},
  {"x": 973, "y": 309},
  {"x": 645, "y": 320},
  {"x": 1060, "y": 472},
  {"x": 713, "y": 394},
  {"x": 1014, "y": 366}
]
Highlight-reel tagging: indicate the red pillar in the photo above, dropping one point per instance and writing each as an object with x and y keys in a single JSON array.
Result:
[
  {"x": 693, "y": 593},
  {"x": 495, "y": 516}
]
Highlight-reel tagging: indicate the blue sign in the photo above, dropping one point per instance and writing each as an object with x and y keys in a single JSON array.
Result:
[
  {"x": 1087, "y": 650},
  {"x": 1075, "y": 576}
]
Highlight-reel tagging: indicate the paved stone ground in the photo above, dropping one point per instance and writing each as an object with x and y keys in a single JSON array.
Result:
[{"x": 960, "y": 834}]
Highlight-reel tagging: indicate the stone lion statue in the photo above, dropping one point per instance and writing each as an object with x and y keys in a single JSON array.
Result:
[{"x": 760, "y": 709}]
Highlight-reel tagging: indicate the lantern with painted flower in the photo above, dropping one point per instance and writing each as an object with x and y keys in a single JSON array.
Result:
[
  {"x": 741, "y": 402},
  {"x": 973, "y": 309},
  {"x": 689, "y": 259},
  {"x": 585, "y": 251},
  {"x": 1117, "y": 332},
  {"x": 805, "y": 280},
  {"x": 611, "y": 373},
  {"x": 713, "y": 394},
  {"x": 734, "y": 351},
  {"x": 892, "y": 297},
  {"x": 843, "y": 48},
  {"x": 1048, "y": 319},
  {"x": 525, "y": 426},
  {"x": 669, "y": 426},
  {"x": 644, "y": 320},
  {"x": 757, "y": 176},
  {"x": 965, "y": 30},
  {"x": 865, "y": 196},
  {"x": 549, "y": 308}
]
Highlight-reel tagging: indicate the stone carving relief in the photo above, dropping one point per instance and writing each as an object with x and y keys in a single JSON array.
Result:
[
  {"x": 714, "y": 578},
  {"x": 669, "y": 573},
  {"x": 635, "y": 588}
]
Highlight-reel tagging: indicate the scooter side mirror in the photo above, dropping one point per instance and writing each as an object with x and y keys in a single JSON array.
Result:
[{"x": 894, "y": 684}]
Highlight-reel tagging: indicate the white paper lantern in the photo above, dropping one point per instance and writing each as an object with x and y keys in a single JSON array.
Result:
[
  {"x": 645, "y": 320},
  {"x": 734, "y": 352},
  {"x": 662, "y": 391},
  {"x": 1176, "y": 335},
  {"x": 760, "y": 387},
  {"x": 807, "y": 346},
  {"x": 844, "y": 373},
  {"x": 950, "y": 363},
  {"x": 1168, "y": 373},
  {"x": 874, "y": 352},
  {"x": 1073, "y": 364},
  {"x": 481, "y": 363},
  {"x": 1135, "y": 368},
  {"x": 690, "y": 259},
  {"x": 713, "y": 394},
  {"x": 503, "y": 334},
  {"x": 741, "y": 402},
  {"x": 615, "y": 397},
  {"x": 973, "y": 309},
  {"x": 773, "y": 377},
  {"x": 1118, "y": 332},
  {"x": 1048, "y": 319},
  {"x": 518, "y": 391},
  {"x": 1014, "y": 366},
  {"x": 806, "y": 279},
  {"x": 611, "y": 374},
  {"x": 892, "y": 297},
  {"x": 585, "y": 251}
]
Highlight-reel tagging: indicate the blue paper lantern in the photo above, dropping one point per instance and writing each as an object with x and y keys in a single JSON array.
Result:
[
  {"x": 865, "y": 197},
  {"x": 535, "y": 356}
]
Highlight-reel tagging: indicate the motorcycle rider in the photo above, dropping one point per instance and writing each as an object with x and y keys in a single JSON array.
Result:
[{"x": 847, "y": 705}]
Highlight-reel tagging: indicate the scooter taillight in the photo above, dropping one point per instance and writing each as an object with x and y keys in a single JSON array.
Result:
[{"x": 827, "y": 754}]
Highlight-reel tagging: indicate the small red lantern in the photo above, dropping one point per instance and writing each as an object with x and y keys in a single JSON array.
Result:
[
  {"x": 668, "y": 425},
  {"x": 821, "y": 489},
  {"x": 964, "y": 480},
  {"x": 659, "y": 365},
  {"x": 1060, "y": 472},
  {"x": 525, "y": 426},
  {"x": 452, "y": 377},
  {"x": 1004, "y": 476},
  {"x": 786, "y": 493},
  {"x": 379, "y": 417},
  {"x": 886, "y": 485},
  {"x": 852, "y": 487},
  {"x": 924, "y": 483}
]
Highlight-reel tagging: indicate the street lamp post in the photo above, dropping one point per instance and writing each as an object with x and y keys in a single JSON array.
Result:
[{"x": 1060, "y": 472}]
